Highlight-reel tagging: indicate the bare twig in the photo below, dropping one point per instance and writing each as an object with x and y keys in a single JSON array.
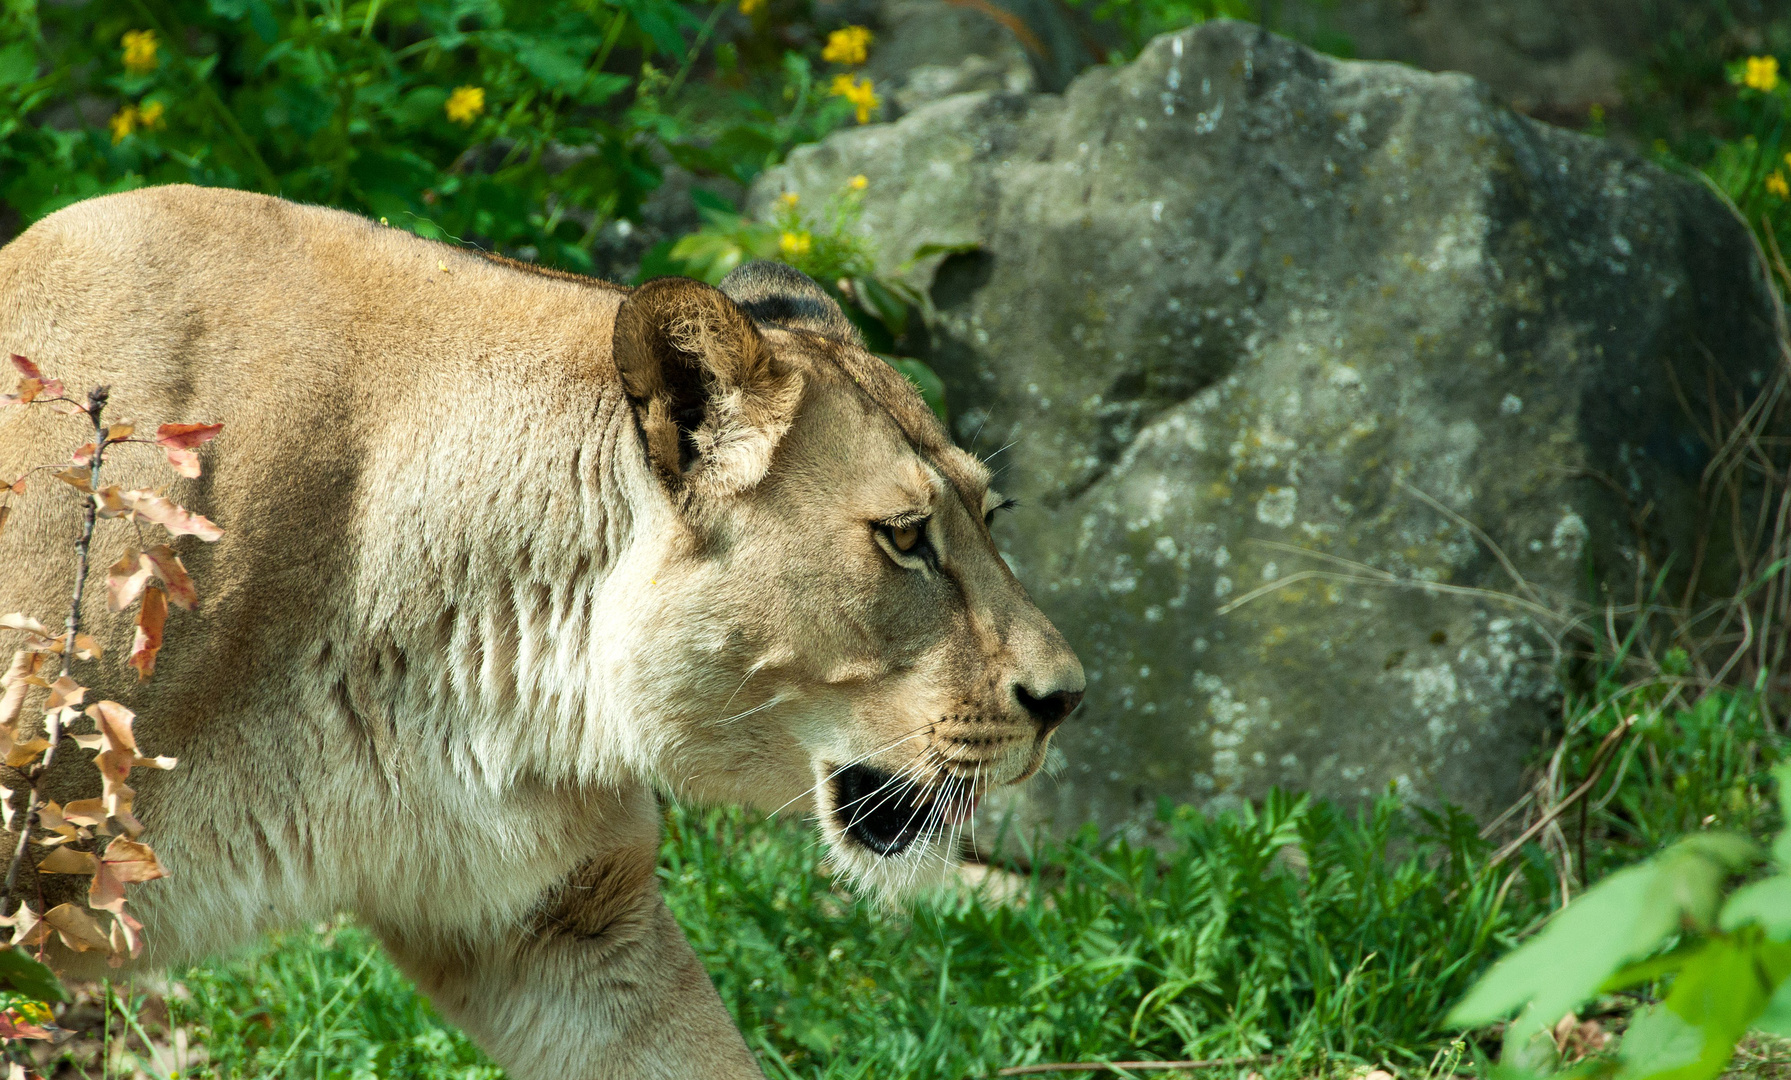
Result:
[
  {"x": 96, "y": 404},
  {"x": 1547, "y": 819}
]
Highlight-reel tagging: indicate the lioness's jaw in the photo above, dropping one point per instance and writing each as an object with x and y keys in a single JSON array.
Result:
[{"x": 711, "y": 398}]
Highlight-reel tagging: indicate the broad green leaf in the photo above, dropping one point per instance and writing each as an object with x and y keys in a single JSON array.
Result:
[
  {"x": 21, "y": 974},
  {"x": 925, "y": 379},
  {"x": 1718, "y": 994},
  {"x": 1766, "y": 904},
  {"x": 1775, "y": 1019},
  {"x": 1620, "y": 920}
]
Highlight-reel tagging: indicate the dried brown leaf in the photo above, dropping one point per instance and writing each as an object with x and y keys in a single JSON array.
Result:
[
  {"x": 115, "y": 723},
  {"x": 88, "y": 812},
  {"x": 153, "y": 507},
  {"x": 107, "y": 892},
  {"x": 78, "y": 477},
  {"x": 174, "y": 576},
  {"x": 24, "y": 753},
  {"x": 132, "y": 862},
  {"x": 123, "y": 429},
  {"x": 20, "y": 621},
  {"x": 148, "y": 639},
  {"x": 64, "y": 692},
  {"x": 186, "y": 436},
  {"x": 28, "y": 927},
  {"x": 77, "y": 928},
  {"x": 14, "y": 1026},
  {"x": 185, "y": 462},
  {"x": 65, "y": 860},
  {"x": 125, "y": 579},
  {"x": 5, "y": 512},
  {"x": 86, "y": 648},
  {"x": 14, "y": 687},
  {"x": 127, "y": 937},
  {"x": 84, "y": 454},
  {"x": 110, "y": 502}
]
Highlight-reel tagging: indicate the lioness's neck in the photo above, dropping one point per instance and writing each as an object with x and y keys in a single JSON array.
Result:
[{"x": 491, "y": 592}]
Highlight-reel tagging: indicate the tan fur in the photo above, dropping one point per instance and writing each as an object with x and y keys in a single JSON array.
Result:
[{"x": 505, "y": 552}]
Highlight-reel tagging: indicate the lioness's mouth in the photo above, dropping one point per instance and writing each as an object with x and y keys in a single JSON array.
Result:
[{"x": 885, "y": 813}]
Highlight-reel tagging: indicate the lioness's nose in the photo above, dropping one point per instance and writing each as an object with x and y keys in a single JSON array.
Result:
[{"x": 1049, "y": 710}]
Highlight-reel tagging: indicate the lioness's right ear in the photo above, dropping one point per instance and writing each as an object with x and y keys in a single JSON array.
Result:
[{"x": 711, "y": 398}]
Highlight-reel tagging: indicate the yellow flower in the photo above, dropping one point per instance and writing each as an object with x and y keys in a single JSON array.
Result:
[
  {"x": 149, "y": 114},
  {"x": 1777, "y": 185},
  {"x": 857, "y": 91},
  {"x": 139, "y": 51},
  {"x": 847, "y": 46},
  {"x": 1762, "y": 73},
  {"x": 123, "y": 122},
  {"x": 795, "y": 243},
  {"x": 859, "y": 182},
  {"x": 747, "y": 7},
  {"x": 465, "y": 103},
  {"x": 789, "y": 198}
]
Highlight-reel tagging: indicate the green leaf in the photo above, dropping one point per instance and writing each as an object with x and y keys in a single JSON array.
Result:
[
  {"x": 1618, "y": 921},
  {"x": 925, "y": 379},
  {"x": 1766, "y": 904},
  {"x": 21, "y": 974},
  {"x": 1775, "y": 1019},
  {"x": 1719, "y": 992},
  {"x": 18, "y": 64}
]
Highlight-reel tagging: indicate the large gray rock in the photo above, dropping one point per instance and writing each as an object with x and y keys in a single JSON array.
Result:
[{"x": 1239, "y": 309}]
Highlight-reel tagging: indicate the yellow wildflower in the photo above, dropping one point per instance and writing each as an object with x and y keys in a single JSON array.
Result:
[
  {"x": 848, "y": 46},
  {"x": 139, "y": 51},
  {"x": 857, "y": 91},
  {"x": 465, "y": 103},
  {"x": 149, "y": 114},
  {"x": 747, "y": 7},
  {"x": 789, "y": 198},
  {"x": 859, "y": 182},
  {"x": 1777, "y": 185},
  {"x": 1762, "y": 73},
  {"x": 123, "y": 122},
  {"x": 795, "y": 243}
]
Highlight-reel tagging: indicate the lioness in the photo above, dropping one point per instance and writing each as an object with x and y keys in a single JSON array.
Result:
[{"x": 506, "y": 551}]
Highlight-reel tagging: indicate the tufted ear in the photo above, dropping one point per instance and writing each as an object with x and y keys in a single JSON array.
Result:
[
  {"x": 711, "y": 398},
  {"x": 782, "y": 295}
]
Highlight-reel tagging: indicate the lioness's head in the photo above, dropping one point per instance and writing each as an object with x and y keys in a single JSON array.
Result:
[{"x": 828, "y": 624}]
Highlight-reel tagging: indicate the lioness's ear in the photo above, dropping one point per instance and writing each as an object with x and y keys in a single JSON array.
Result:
[
  {"x": 711, "y": 399},
  {"x": 777, "y": 294}
]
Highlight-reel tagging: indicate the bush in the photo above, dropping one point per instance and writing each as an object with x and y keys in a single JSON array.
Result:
[{"x": 520, "y": 125}]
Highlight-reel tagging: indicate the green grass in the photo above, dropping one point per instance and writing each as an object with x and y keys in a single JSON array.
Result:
[{"x": 1322, "y": 939}]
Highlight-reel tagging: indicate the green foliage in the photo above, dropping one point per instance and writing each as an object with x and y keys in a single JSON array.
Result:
[
  {"x": 25, "y": 977},
  {"x": 521, "y": 125},
  {"x": 323, "y": 1004},
  {"x": 1730, "y": 971},
  {"x": 1290, "y": 927},
  {"x": 830, "y": 247}
]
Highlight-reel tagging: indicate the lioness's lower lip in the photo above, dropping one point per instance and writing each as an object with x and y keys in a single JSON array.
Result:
[
  {"x": 957, "y": 809},
  {"x": 886, "y": 813}
]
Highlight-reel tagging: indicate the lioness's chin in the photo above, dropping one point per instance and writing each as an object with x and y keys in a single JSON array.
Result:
[{"x": 891, "y": 836}]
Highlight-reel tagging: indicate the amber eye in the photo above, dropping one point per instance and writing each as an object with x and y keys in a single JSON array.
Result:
[{"x": 904, "y": 537}]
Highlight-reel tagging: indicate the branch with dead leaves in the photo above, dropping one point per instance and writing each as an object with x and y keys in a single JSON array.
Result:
[{"x": 97, "y": 837}]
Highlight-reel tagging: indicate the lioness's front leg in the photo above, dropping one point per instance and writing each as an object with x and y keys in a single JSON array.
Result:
[{"x": 600, "y": 984}]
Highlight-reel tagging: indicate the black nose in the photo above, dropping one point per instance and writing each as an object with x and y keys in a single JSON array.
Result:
[{"x": 1049, "y": 710}]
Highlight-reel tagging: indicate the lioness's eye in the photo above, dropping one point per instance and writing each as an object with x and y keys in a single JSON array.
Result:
[{"x": 905, "y": 540}]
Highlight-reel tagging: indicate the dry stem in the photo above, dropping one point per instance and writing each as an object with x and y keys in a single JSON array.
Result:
[{"x": 96, "y": 404}]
